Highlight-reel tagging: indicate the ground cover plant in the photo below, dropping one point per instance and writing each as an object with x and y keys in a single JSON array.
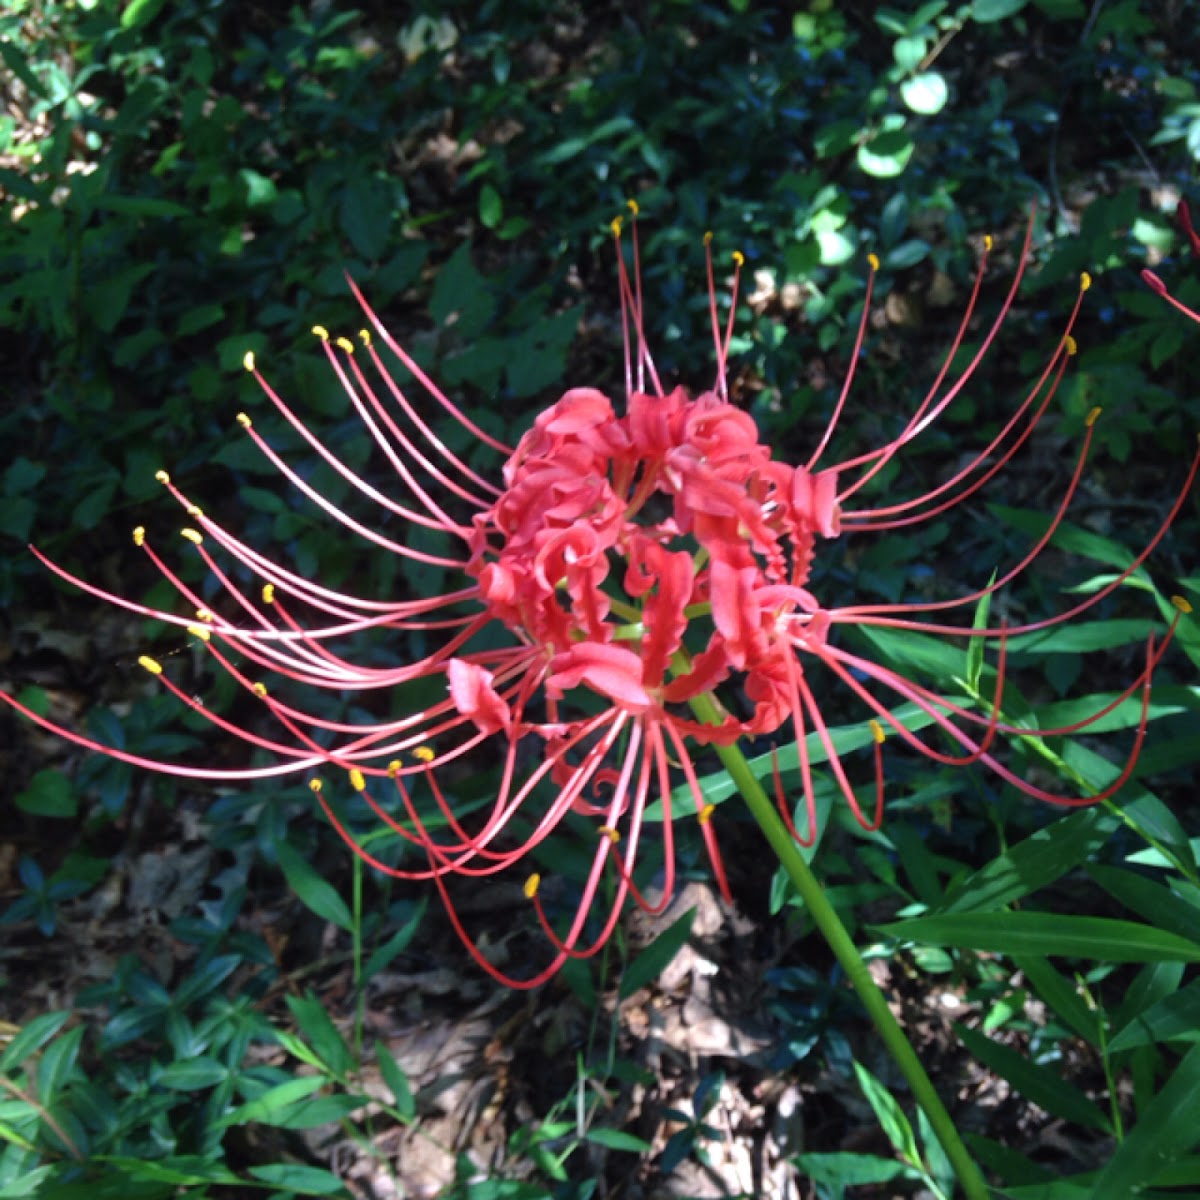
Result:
[{"x": 205, "y": 996}]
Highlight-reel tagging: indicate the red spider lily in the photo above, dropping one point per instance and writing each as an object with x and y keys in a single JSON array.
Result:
[
  {"x": 622, "y": 568},
  {"x": 1185, "y": 223}
]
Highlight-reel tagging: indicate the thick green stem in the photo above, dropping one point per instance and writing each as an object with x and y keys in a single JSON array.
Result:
[{"x": 834, "y": 932}]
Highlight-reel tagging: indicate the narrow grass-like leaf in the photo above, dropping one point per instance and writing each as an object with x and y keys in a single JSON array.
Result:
[
  {"x": 1060, "y": 993},
  {"x": 975, "y": 645},
  {"x": 1047, "y": 934},
  {"x": 275, "y": 1101},
  {"x": 652, "y": 961},
  {"x": 890, "y": 1115},
  {"x": 1149, "y": 900},
  {"x": 841, "y": 1169},
  {"x": 1174, "y": 1016},
  {"x": 397, "y": 1082},
  {"x": 1167, "y": 1131},
  {"x": 1040, "y": 859},
  {"x": 1041, "y": 1085},
  {"x": 316, "y": 893}
]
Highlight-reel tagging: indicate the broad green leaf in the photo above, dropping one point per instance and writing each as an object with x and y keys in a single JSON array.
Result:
[
  {"x": 491, "y": 207},
  {"x": 301, "y": 1178},
  {"x": 985, "y": 11},
  {"x": 316, "y": 893},
  {"x": 1043, "y": 1086},
  {"x": 886, "y": 155},
  {"x": 30, "y": 1037},
  {"x": 617, "y": 1139},
  {"x": 139, "y": 13},
  {"x": 842, "y": 1169},
  {"x": 49, "y": 794},
  {"x": 193, "y": 1074},
  {"x": 652, "y": 961},
  {"x": 322, "y": 1034},
  {"x": 1048, "y": 934},
  {"x": 1167, "y": 1130},
  {"x": 925, "y": 93}
]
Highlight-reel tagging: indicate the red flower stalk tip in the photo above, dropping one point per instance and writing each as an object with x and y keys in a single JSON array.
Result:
[
  {"x": 621, "y": 568},
  {"x": 1184, "y": 217}
]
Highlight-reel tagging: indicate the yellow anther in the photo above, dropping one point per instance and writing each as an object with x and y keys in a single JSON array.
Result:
[
  {"x": 531, "y": 885},
  {"x": 615, "y": 225},
  {"x": 321, "y": 332},
  {"x": 988, "y": 243},
  {"x": 243, "y": 420},
  {"x": 1181, "y": 604},
  {"x": 203, "y": 614},
  {"x": 393, "y": 768},
  {"x": 1090, "y": 420},
  {"x": 268, "y": 593},
  {"x": 162, "y": 477},
  {"x": 152, "y": 665},
  {"x": 357, "y": 782},
  {"x": 1072, "y": 346},
  {"x": 139, "y": 536},
  {"x": 315, "y": 785},
  {"x": 739, "y": 259},
  {"x": 706, "y": 813},
  {"x": 609, "y": 832},
  {"x": 1085, "y": 281},
  {"x": 346, "y": 344},
  {"x": 708, "y": 236},
  {"x": 198, "y": 631},
  {"x": 364, "y": 336},
  {"x": 424, "y": 754},
  {"x": 248, "y": 360},
  {"x": 194, "y": 510},
  {"x": 873, "y": 261},
  {"x": 632, "y": 205},
  {"x": 260, "y": 690},
  {"x": 877, "y": 732},
  {"x": 192, "y": 536}
]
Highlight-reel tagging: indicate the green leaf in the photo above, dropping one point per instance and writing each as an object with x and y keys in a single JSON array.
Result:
[
  {"x": 1061, "y": 994},
  {"x": 887, "y": 154},
  {"x": 397, "y": 1082},
  {"x": 269, "y": 1106},
  {"x": 986, "y": 11},
  {"x": 890, "y": 1115},
  {"x": 926, "y": 93},
  {"x": 298, "y": 1177},
  {"x": 842, "y": 1169},
  {"x": 193, "y": 1074},
  {"x": 652, "y": 961},
  {"x": 617, "y": 1139},
  {"x": 491, "y": 207},
  {"x": 1049, "y": 934},
  {"x": 1167, "y": 1130},
  {"x": 1175, "y": 1016},
  {"x": 314, "y": 1022},
  {"x": 316, "y": 893},
  {"x": 1149, "y": 900},
  {"x": 139, "y": 13},
  {"x": 49, "y": 794},
  {"x": 976, "y": 644},
  {"x": 1044, "y": 1086},
  {"x": 366, "y": 213}
]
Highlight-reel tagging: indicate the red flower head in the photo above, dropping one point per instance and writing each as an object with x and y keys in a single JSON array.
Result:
[{"x": 633, "y": 586}]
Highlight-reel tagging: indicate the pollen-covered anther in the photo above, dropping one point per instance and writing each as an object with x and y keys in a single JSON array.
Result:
[
  {"x": 531, "y": 885},
  {"x": 198, "y": 631},
  {"x": 632, "y": 205},
  {"x": 139, "y": 536},
  {"x": 248, "y": 361},
  {"x": 364, "y": 336},
  {"x": 1071, "y": 345},
  {"x": 194, "y": 511},
  {"x": 424, "y": 754},
  {"x": 193, "y": 536},
  {"x": 1091, "y": 418},
  {"x": 877, "y": 732},
  {"x": 162, "y": 477},
  {"x": 357, "y": 781},
  {"x": 243, "y": 420},
  {"x": 609, "y": 832},
  {"x": 315, "y": 785},
  {"x": 268, "y": 593},
  {"x": 393, "y": 768},
  {"x": 321, "y": 332},
  {"x": 150, "y": 664},
  {"x": 344, "y": 343},
  {"x": 203, "y": 614},
  {"x": 988, "y": 243},
  {"x": 1182, "y": 604},
  {"x": 873, "y": 261},
  {"x": 705, "y": 814},
  {"x": 739, "y": 259},
  {"x": 708, "y": 237},
  {"x": 260, "y": 690},
  {"x": 615, "y": 225},
  {"x": 1085, "y": 281}
]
